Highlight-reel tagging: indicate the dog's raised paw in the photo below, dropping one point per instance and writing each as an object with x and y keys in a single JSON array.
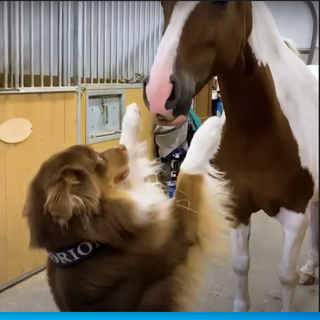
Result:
[
  {"x": 204, "y": 145},
  {"x": 207, "y": 138},
  {"x": 131, "y": 125},
  {"x": 132, "y": 116},
  {"x": 210, "y": 132}
]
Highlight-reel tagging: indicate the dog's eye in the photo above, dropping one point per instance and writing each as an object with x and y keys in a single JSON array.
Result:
[{"x": 99, "y": 157}]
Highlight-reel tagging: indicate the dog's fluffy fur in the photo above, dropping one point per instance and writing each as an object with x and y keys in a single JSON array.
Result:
[{"x": 155, "y": 246}]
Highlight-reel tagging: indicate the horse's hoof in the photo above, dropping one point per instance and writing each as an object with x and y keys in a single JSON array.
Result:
[{"x": 306, "y": 279}]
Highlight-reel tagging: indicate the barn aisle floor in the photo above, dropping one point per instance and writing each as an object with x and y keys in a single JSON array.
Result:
[{"x": 265, "y": 246}]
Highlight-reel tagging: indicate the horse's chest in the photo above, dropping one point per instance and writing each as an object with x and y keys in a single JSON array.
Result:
[
  {"x": 239, "y": 155},
  {"x": 270, "y": 145},
  {"x": 265, "y": 170},
  {"x": 258, "y": 158}
]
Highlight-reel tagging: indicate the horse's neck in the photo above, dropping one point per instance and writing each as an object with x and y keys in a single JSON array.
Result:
[{"x": 248, "y": 92}]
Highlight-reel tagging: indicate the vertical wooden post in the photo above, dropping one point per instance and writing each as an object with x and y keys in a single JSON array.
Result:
[{"x": 203, "y": 102}]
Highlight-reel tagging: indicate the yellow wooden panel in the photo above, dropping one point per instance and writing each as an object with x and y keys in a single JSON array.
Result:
[
  {"x": 3, "y": 203},
  {"x": 14, "y": 172},
  {"x": 83, "y": 118},
  {"x": 70, "y": 119},
  {"x": 54, "y": 121},
  {"x": 102, "y": 146},
  {"x": 203, "y": 102}
]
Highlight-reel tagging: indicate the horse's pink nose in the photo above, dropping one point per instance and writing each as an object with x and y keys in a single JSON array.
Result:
[
  {"x": 161, "y": 100},
  {"x": 168, "y": 100}
]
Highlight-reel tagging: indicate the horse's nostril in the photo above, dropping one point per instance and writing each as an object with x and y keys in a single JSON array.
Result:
[
  {"x": 174, "y": 97},
  {"x": 173, "y": 94},
  {"x": 144, "y": 94}
]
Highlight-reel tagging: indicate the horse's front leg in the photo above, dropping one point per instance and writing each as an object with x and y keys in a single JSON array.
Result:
[
  {"x": 294, "y": 227},
  {"x": 241, "y": 265},
  {"x": 308, "y": 271}
]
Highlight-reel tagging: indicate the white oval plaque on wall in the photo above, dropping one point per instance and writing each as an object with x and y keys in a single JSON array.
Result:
[{"x": 15, "y": 130}]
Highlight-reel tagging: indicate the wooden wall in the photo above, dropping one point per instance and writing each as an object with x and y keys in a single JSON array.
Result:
[
  {"x": 54, "y": 120},
  {"x": 203, "y": 102}
]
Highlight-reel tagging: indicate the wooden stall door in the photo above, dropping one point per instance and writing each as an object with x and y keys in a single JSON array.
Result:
[{"x": 54, "y": 121}]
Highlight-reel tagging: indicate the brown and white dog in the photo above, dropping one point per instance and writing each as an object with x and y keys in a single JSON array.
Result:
[{"x": 115, "y": 241}]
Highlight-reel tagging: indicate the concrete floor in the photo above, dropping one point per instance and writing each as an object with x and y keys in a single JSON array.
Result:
[{"x": 265, "y": 246}]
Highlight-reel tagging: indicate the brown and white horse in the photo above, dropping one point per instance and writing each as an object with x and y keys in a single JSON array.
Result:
[{"x": 269, "y": 144}]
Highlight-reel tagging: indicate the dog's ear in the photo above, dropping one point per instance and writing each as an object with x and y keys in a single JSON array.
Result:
[{"x": 73, "y": 192}]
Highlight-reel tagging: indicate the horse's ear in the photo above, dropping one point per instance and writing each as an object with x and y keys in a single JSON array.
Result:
[{"x": 73, "y": 193}]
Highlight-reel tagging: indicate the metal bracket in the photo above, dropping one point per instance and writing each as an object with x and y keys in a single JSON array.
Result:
[{"x": 104, "y": 112}]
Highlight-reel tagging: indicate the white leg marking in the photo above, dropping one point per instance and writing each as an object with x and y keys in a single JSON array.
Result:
[
  {"x": 131, "y": 126},
  {"x": 308, "y": 271},
  {"x": 204, "y": 145},
  {"x": 241, "y": 265},
  {"x": 294, "y": 227}
]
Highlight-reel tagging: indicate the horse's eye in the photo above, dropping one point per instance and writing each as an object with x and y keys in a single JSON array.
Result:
[{"x": 220, "y": 3}]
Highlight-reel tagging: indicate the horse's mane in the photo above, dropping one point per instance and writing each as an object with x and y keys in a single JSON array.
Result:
[
  {"x": 290, "y": 44},
  {"x": 265, "y": 40}
]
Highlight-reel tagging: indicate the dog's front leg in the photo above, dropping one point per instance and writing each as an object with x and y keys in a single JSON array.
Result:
[
  {"x": 131, "y": 127},
  {"x": 190, "y": 195}
]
